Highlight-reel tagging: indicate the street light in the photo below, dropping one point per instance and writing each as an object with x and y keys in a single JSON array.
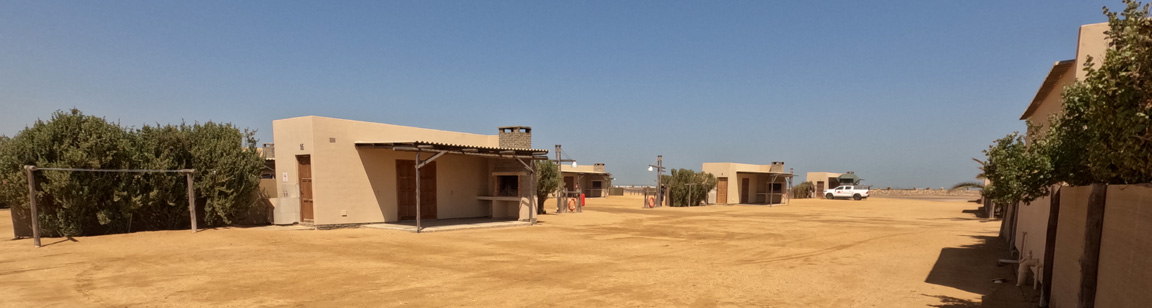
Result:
[{"x": 659, "y": 168}]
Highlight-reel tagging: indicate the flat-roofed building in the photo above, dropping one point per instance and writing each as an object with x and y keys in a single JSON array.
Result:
[
  {"x": 337, "y": 172},
  {"x": 750, "y": 184}
]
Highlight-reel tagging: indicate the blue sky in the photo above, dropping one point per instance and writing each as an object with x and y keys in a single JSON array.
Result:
[{"x": 902, "y": 92}]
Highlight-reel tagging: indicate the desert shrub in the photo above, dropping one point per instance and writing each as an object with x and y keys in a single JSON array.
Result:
[
  {"x": 687, "y": 187},
  {"x": 804, "y": 190},
  {"x": 86, "y": 203}
]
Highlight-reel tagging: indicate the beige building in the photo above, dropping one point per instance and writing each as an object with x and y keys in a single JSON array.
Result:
[
  {"x": 750, "y": 184},
  {"x": 338, "y": 172},
  {"x": 1031, "y": 224},
  {"x": 822, "y": 181},
  {"x": 592, "y": 181}
]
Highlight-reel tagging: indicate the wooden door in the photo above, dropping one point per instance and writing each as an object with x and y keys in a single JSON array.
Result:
[
  {"x": 722, "y": 191},
  {"x": 744, "y": 190},
  {"x": 428, "y": 191},
  {"x": 406, "y": 190},
  {"x": 304, "y": 163},
  {"x": 820, "y": 189}
]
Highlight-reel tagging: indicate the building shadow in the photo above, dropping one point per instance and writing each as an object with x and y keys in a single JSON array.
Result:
[{"x": 973, "y": 268}]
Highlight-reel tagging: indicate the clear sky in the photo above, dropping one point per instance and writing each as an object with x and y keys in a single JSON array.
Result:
[{"x": 902, "y": 92}]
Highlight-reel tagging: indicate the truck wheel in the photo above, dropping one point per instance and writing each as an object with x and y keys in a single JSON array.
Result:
[
  {"x": 856, "y": 197},
  {"x": 829, "y": 196}
]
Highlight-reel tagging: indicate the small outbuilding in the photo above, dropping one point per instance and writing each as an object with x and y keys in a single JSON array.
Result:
[{"x": 750, "y": 184}]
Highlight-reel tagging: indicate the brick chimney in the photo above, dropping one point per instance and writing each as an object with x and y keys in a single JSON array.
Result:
[
  {"x": 516, "y": 137},
  {"x": 777, "y": 166},
  {"x": 598, "y": 167}
]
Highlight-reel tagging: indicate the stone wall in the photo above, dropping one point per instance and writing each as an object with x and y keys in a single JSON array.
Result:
[{"x": 922, "y": 192}]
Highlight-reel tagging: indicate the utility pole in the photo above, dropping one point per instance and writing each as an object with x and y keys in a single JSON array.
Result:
[{"x": 659, "y": 167}]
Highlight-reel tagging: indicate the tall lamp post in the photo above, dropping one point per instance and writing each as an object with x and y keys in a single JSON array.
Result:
[{"x": 659, "y": 168}]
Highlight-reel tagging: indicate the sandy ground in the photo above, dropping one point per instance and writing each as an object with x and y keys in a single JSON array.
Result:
[{"x": 811, "y": 253}]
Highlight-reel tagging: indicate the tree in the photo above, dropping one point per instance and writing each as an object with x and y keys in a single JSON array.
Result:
[
  {"x": 1104, "y": 134},
  {"x": 547, "y": 181},
  {"x": 1019, "y": 173}
]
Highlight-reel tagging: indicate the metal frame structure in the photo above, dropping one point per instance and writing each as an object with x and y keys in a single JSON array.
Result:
[
  {"x": 659, "y": 168},
  {"x": 561, "y": 194},
  {"x": 439, "y": 149},
  {"x": 30, "y": 169}
]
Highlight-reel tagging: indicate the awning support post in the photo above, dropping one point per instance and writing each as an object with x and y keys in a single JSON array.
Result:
[
  {"x": 531, "y": 190},
  {"x": 418, "y": 164}
]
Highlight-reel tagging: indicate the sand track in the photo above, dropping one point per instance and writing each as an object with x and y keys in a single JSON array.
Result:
[{"x": 812, "y": 253}]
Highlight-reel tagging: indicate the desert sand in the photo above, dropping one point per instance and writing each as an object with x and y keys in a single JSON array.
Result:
[{"x": 809, "y": 253}]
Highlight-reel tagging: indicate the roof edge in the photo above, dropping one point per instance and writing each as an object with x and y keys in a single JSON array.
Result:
[{"x": 1058, "y": 70}]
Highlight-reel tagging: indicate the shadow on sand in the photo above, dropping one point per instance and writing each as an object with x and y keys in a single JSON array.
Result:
[{"x": 973, "y": 268}]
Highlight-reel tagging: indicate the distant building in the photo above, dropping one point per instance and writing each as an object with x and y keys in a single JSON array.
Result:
[{"x": 592, "y": 181}]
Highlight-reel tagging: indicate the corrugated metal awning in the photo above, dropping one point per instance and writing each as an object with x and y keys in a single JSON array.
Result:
[{"x": 426, "y": 146}]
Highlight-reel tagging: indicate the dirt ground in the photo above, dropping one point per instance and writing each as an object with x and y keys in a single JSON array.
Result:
[{"x": 810, "y": 253}]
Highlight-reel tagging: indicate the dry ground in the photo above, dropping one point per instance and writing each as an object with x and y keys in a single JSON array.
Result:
[{"x": 811, "y": 253}]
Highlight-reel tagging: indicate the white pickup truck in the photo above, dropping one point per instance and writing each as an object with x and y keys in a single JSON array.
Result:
[{"x": 856, "y": 192}]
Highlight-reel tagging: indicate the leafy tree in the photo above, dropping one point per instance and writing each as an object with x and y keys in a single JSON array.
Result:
[
  {"x": 687, "y": 187},
  {"x": 1019, "y": 173},
  {"x": 1104, "y": 134},
  {"x": 548, "y": 180}
]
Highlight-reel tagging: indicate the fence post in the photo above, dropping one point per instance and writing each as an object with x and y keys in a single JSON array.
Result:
[
  {"x": 191, "y": 199},
  {"x": 32, "y": 203}
]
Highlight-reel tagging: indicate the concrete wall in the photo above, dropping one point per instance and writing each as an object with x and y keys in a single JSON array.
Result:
[
  {"x": 1052, "y": 102},
  {"x": 1032, "y": 227},
  {"x": 1125, "y": 247},
  {"x": 1091, "y": 42},
  {"x": 293, "y": 138},
  {"x": 1069, "y": 246},
  {"x": 362, "y": 182}
]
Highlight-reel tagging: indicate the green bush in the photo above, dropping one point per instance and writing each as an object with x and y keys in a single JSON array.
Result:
[
  {"x": 804, "y": 190},
  {"x": 687, "y": 187},
  {"x": 86, "y": 203}
]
